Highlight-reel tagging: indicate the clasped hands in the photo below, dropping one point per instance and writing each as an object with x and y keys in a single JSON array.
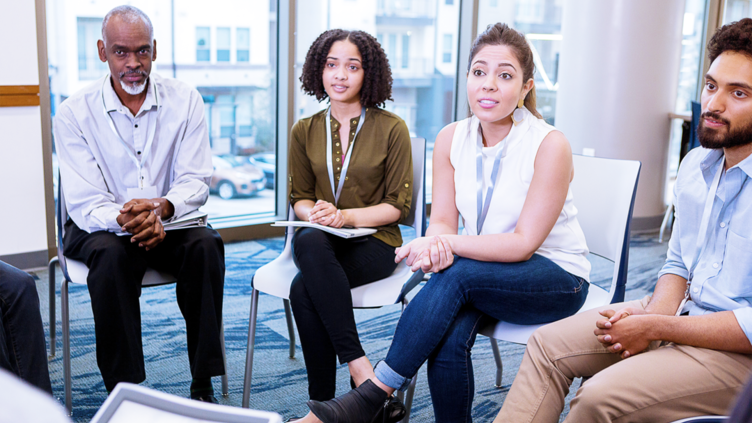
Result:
[
  {"x": 428, "y": 253},
  {"x": 623, "y": 332},
  {"x": 142, "y": 217},
  {"x": 326, "y": 214}
]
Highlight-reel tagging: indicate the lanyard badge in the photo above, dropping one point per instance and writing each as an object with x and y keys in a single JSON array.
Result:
[
  {"x": 484, "y": 205},
  {"x": 346, "y": 161}
]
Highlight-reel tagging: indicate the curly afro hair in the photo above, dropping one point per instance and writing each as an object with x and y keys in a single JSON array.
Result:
[
  {"x": 377, "y": 81},
  {"x": 736, "y": 36}
]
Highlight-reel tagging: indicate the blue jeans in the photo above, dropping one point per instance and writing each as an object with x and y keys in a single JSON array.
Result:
[
  {"x": 22, "y": 345},
  {"x": 441, "y": 323}
]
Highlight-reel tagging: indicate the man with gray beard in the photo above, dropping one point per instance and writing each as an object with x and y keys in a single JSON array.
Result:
[{"x": 134, "y": 152}]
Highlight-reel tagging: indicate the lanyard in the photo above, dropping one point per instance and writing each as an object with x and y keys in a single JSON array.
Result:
[
  {"x": 149, "y": 141},
  {"x": 483, "y": 206},
  {"x": 704, "y": 233},
  {"x": 346, "y": 161}
]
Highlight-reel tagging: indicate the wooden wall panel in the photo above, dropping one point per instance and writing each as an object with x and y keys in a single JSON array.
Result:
[{"x": 19, "y": 95}]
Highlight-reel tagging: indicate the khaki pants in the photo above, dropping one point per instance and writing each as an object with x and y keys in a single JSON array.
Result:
[{"x": 666, "y": 383}]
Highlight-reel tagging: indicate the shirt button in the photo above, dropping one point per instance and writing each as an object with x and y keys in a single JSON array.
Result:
[
  {"x": 138, "y": 152},
  {"x": 337, "y": 159},
  {"x": 407, "y": 185},
  {"x": 352, "y": 133},
  {"x": 337, "y": 167},
  {"x": 339, "y": 152},
  {"x": 696, "y": 290},
  {"x": 336, "y": 144},
  {"x": 136, "y": 125},
  {"x": 715, "y": 265},
  {"x": 723, "y": 224},
  {"x": 354, "y": 122},
  {"x": 347, "y": 177}
]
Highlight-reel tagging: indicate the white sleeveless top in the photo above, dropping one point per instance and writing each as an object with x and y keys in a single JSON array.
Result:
[{"x": 565, "y": 245}]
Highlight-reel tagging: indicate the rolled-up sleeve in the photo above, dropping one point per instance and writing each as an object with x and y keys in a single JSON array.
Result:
[
  {"x": 399, "y": 170},
  {"x": 87, "y": 199},
  {"x": 744, "y": 317},
  {"x": 674, "y": 263},
  {"x": 301, "y": 178},
  {"x": 193, "y": 166}
]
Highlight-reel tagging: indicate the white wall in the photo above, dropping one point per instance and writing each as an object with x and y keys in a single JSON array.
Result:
[
  {"x": 22, "y": 214},
  {"x": 618, "y": 76}
]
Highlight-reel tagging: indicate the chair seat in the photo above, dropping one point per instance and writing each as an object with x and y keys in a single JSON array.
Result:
[
  {"x": 504, "y": 331},
  {"x": 274, "y": 279},
  {"x": 78, "y": 272}
]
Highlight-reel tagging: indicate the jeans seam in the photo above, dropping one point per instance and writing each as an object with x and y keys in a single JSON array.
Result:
[{"x": 469, "y": 404}]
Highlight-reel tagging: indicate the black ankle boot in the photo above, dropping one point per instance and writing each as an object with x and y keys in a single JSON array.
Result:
[{"x": 365, "y": 404}]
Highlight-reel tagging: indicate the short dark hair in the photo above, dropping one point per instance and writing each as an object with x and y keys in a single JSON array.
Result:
[
  {"x": 377, "y": 80},
  {"x": 736, "y": 36}
]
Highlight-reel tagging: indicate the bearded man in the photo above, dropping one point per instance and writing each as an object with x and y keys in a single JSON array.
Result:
[
  {"x": 684, "y": 351},
  {"x": 134, "y": 151}
]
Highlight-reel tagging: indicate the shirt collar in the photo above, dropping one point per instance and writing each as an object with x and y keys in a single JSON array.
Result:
[
  {"x": 746, "y": 165},
  {"x": 708, "y": 165},
  {"x": 112, "y": 101}
]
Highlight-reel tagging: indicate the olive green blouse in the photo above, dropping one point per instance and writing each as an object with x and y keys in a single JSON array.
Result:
[{"x": 381, "y": 166}]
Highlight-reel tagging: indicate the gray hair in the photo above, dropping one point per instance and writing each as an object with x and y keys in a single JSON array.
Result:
[{"x": 130, "y": 15}]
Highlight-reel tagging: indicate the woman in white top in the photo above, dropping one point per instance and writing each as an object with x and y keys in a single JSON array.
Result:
[{"x": 521, "y": 256}]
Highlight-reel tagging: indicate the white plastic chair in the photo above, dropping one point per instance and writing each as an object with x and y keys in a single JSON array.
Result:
[
  {"x": 604, "y": 192},
  {"x": 76, "y": 272},
  {"x": 129, "y": 402},
  {"x": 276, "y": 277}
]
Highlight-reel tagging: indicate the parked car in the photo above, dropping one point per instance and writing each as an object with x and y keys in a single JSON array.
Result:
[
  {"x": 233, "y": 178},
  {"x": 267, "y": 163}
]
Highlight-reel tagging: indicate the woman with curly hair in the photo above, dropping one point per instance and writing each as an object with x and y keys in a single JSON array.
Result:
[
  {"x": 521, "y": 256},
  {"x": 349, "y": 165}
]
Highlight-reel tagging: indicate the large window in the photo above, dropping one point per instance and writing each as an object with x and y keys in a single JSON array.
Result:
[
  {"x": 88, "y": 32},
  {"x": 223, "y": 44},
  {"x": 243, "y": 42},
  {"x": 203, "y": 44},
  {"x": 195, "y": 46},
  {"x": 424, "y": 79},
  {"x": 540, "y": 21},
  {"x": 736, "y": 10}
]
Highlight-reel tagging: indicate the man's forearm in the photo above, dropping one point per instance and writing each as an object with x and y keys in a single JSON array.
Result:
[
  {"x": 718, "y": 331},
  {"x": 668, "y": 294}
]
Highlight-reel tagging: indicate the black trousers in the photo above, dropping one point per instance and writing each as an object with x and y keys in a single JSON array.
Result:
[
  {"x": 22, "y": 345},
  {"x": 117, "y": 266},
  {"x": 321, "y": 302}
]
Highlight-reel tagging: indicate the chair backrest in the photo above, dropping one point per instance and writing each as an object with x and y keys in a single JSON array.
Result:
[
  {"x": 604, "y": 192},
  {"x": 417, "y": 216}
]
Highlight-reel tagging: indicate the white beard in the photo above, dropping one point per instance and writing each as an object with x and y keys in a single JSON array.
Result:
[{"x": 135, "y": 89}]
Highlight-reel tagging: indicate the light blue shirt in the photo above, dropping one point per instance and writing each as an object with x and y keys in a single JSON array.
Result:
[{"x": 723, "y": 275}]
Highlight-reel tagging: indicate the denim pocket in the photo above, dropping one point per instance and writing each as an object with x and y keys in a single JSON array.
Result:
[{"x": 737, "y": 267}]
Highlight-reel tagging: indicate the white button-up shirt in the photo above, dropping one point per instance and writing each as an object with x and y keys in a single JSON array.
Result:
[{"x": 96, "y": 170}]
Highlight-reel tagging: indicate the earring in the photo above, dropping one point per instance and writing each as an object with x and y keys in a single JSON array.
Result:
[{"x": 518, "y": 115}]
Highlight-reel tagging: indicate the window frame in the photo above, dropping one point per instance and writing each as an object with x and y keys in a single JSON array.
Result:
[{"x": 255, "y": 226}]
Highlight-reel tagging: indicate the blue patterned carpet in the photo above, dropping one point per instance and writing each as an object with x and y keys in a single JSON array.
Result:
[{"x": 279, "y": 383}]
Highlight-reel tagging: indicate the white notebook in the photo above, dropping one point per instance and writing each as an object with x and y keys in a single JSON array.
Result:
[
  {"x": 340, "y": 232},
  {"x": 194, "y": 219}
]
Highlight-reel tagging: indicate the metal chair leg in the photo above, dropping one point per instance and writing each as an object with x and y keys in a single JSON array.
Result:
[
  {"x": 66, "y": 346},
  {"x": 225, "y": 384},
  {"x": 497, "y": 358},
  {"x": 53, "y": 318},
  {"x": 409, "y": 398},
  {"x": 290, "y": 328},
  {"x": 249, "y": 351}
]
